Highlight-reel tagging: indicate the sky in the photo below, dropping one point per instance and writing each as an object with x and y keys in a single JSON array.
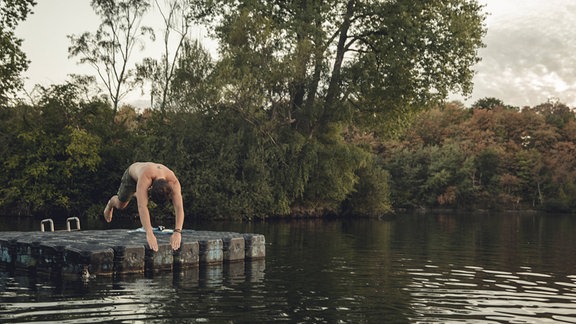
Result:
[{"x": 529, "y": 58}]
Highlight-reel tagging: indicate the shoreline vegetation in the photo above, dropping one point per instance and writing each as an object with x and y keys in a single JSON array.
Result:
[
  {"x": 65, "y": 157},
  {"x": 310, "y": 110}
]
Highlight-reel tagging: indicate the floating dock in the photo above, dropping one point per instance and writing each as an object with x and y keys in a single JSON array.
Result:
[{"x": 121, "y": 251}]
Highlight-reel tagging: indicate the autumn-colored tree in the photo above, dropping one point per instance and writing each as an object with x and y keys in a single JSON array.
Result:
[{"x": 509, "y": 159}]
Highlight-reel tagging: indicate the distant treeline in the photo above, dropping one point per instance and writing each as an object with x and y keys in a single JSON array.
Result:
[{"x": 492, "y": 156}]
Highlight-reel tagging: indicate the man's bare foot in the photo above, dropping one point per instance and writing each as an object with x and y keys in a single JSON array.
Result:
[{"x": 108, "y": 213}]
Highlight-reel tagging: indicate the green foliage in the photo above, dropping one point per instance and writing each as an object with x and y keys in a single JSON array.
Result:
[
  {"x": 64, "y": 155},
  {"x": 490, "y": 103},
  {"x": 400, "y": 56},
  {"x": 408, "y": 169},
  {"x": 12, "y": 60},
  {"x": 192, "y": 87},
  {"x": 429, "y": 176},
  {"x": 51, "y": 154},
  {"x": 556, "y": 114},
  {"x": 289, "y": 120},
  {"x": 41, "y": 173},
  {"x": 487, "y": 164},
  {"x": 371, "y": 196},
  {"x": 329, "y": 180}
]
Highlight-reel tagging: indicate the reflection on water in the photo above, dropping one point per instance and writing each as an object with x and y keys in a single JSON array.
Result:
[
  {"x": 413, "y": 268},
  {"x": 445, "y": 293},
  {"x": 188, "y": 294}
]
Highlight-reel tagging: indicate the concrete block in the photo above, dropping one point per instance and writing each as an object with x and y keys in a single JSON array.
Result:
[
  {"x": 210, "y": 250},
  {"x": 7, "y": 253},
  {"x": 233, "y": 248},
  {"x": 50, "y": 257},
  {"x": 255, "y": 246},
  {"x": 162, "y": 260},
  {"x": 91, "y": 258},
  {"x": 129, "y": 258},
  {"x": 25, "y": 259},
  {"x": 188, "y": 255}
]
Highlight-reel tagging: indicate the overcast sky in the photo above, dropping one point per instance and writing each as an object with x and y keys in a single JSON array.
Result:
[{"x": 530, "y": 55}]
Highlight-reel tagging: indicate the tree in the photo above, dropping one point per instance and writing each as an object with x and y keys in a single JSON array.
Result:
[
  {"x": 556, "y": 114},
  {"x": 488, "y": 103},
  {"x": 50, "y": 158},
  {"x": 304, "y": 72},
  {"x": 192, "y": 88},
  {"x": 12, "y": 60},
  {"x": 109, "y": 50},
  {"x": 177, "y": 16},
  {"x": 343, "y": 60}
]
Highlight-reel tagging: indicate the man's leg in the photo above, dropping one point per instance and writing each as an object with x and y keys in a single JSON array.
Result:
[
  {"x": 114, "y": 202},
  {"x": 121, "y": 200}
]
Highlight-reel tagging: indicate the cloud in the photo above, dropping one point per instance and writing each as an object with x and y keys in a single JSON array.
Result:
[{"x": 529, "y": 51}]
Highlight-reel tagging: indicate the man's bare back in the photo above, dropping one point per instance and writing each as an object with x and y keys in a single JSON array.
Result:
[
  {"x": 151, "y": 170},
  {"x": 138, "y": 178}
]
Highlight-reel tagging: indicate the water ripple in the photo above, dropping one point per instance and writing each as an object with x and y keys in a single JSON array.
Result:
[{"x": 441, "y": 294}]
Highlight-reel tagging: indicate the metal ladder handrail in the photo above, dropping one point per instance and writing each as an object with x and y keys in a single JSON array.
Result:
[
  {"x": 47, "y": 220},
  {"x": 68, "y": 221}
]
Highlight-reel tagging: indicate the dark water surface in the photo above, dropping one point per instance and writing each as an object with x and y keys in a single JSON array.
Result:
[{"x": 409, "y": 269}]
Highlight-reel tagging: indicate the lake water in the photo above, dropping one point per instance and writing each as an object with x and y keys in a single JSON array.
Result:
[{"x": 433, "y": 268}]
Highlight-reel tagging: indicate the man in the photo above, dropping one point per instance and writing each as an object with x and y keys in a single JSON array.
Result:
[{"x": 141, "y": 178}]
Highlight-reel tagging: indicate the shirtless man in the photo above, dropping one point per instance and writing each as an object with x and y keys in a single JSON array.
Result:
[{"x": 140, "y": 179}]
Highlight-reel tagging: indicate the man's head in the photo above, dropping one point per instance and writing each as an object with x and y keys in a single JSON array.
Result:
[{"x": 160, "y": 191}]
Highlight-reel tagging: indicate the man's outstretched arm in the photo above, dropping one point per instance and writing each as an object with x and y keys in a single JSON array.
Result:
[
  {"x": 179, "y": 211},
  {"x": 142, "y": 200}
]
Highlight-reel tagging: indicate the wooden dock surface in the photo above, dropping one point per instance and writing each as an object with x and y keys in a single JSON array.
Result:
[{"x": 121, "y": 251}]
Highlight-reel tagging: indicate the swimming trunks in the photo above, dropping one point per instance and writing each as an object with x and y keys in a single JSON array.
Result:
[{"x": 127, "y": 187}]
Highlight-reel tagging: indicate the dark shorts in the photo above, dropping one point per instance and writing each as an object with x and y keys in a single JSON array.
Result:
[{"x": 127, "y": 187}]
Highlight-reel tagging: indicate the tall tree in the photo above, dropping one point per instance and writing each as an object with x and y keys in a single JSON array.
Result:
[
  {"x": 191, "y": 87},
  {"x": 177, "y": 16},
  {"x": 110, "y": 48},
  {"x": 304, "y": 72},
  {"x": 12, "y": 60},
  {"x": 351, "y": 60}
]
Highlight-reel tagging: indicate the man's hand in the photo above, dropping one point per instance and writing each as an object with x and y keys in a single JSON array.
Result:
[
  {"x": 175, "y": 240},
  {"x": 152, "y": 241}
]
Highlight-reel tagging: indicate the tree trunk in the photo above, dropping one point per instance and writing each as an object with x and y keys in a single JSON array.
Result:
[{"x": 334, "y": 85}]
